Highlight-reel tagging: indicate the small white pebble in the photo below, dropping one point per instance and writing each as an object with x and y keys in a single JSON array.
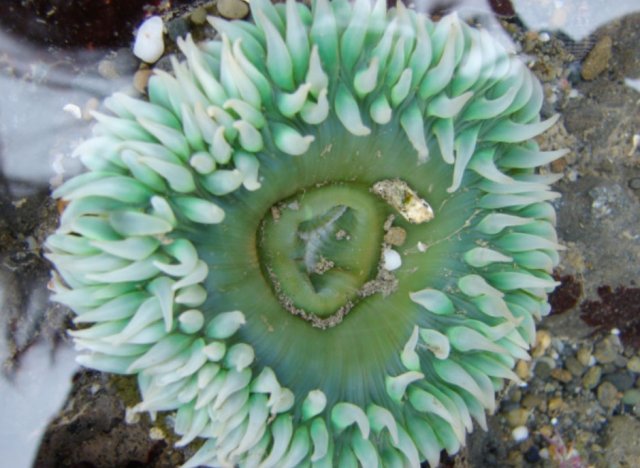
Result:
[
  {"x": 554, "y": 421},
  {"x": 592, "y": 361},
  {"x": 520, "y": 433},
  {"x": 74, "y": 110},
  {"x": 392, "y": 260},
  {"x": 615, "y": 331},
  {"x": 574, "y": 93},
  {"x": 422, "y": 247},
  {"x": 149, "y": 45},
  {"x": 544, "y": 37}
]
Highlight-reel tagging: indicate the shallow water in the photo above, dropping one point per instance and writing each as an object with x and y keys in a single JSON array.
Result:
[{"x": 51, "y": 77}]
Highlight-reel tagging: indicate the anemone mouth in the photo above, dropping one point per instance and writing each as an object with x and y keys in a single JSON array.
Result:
[{"x": 322, "y": 241}]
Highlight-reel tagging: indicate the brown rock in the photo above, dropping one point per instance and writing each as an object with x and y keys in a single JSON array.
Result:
[
  {"x": 574, "y": 366},
  {"x": 517, "y": 417},
  {"x": 141, "y": 78},
  {"x": 533, "y": 400},
  {"x": 584, "y": 356},
  {"x": 555, "y": 405},
  {"x": 608, "y": 395},
  {"x": 233, "y": 9},
  {"x": 199, "y": 16},
  {"x": 546, "y": 431},
  {"x": 395, "y": 236},
  {"x": 523, "y": 369},
  {"x": 563, "y": 375},
  {"x": 592, "y": 378},
  {"x": 597, "y": 60},
  {"x": 543, "y": 340}
]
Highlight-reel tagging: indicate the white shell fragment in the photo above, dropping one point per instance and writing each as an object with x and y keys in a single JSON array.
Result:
[
  {"x": 149, "y": 45},
  {"x": 392, "y": 260},
  {"x": 74, "y": 110},
  {"x": 404, "y": 199}
]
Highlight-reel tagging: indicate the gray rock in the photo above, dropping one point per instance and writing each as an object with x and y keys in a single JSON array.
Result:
[
  {"x": 592, "y": 378},
  {"x": 634, "y": 364},
  {"x": 622, "y": 380},
  {"x": 574, "y": 366},
  {"x": 631, "y": 397},
  {"x": 608, "y": 395},
  {"x": 606, "y": 350}
]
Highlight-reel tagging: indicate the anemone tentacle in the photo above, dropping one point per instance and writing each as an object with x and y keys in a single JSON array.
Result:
[{"x": 321, "y": 241}]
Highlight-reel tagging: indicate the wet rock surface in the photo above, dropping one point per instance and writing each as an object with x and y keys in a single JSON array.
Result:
[
  {"x": 91, "y": 430},
  {"x": 582, "y": 393}
]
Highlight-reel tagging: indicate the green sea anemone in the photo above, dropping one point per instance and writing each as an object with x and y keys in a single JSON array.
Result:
[{"x": 321, "y": 241}]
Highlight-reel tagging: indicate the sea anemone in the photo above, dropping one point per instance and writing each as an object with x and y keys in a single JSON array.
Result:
[{"x": 322, "y": 240}]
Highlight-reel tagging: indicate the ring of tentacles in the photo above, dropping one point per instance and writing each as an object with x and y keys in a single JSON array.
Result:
[{"x": 322, "y": 240}]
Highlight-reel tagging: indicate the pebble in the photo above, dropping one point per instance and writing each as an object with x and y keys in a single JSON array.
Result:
[
  {"x": 395, "y": 236},
  {"x": 198, "y": 16},
  {"x": 514, "y": 458},
  {"x": 149, "y": 44},
  {"x": 557, "y": 344},
  {"x": 634, "y": 364},
  {"x": 544, "y": 37},
  {"x": 563, "y": 375},
  {"x": 546, "y": 431},
  {"x": 608, "y": 395},
  {"x": 523, "y": 369},
  {"x": 584, "y": 356},
  {"x": 233, "y": 9},
  {"x": 515, "y": 395},
  {"x": 517, "y": 417},
  {"x": 520, "y": 433},
  {"x": 634, "y": 183},
  {"x": 631, "y": 397},
  {"x": 574, "y": 366},
  {"x": 532, "y": 455},
  {"x": 543, "y": 340},
  {"x": 391, "y": 260},
  {"x": 107, "y": 69},
  {"x": 543, "y": 368},
  {"x": 597, "y": 60},
  {"x": 606, "y": 350},
  {"x": 622, "y": 380},
  {"x": 592, "y": 378},
  {"x": 555, "y": 405},
  {"x": 73, "y": 110},
  {"x": 533, "y": 400},
  {"x": 620, "y": 361},
  {"x": 141, "y": 78}
]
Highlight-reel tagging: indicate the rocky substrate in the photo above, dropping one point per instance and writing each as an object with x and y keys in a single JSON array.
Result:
[{"x": 578, "y": 406}]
